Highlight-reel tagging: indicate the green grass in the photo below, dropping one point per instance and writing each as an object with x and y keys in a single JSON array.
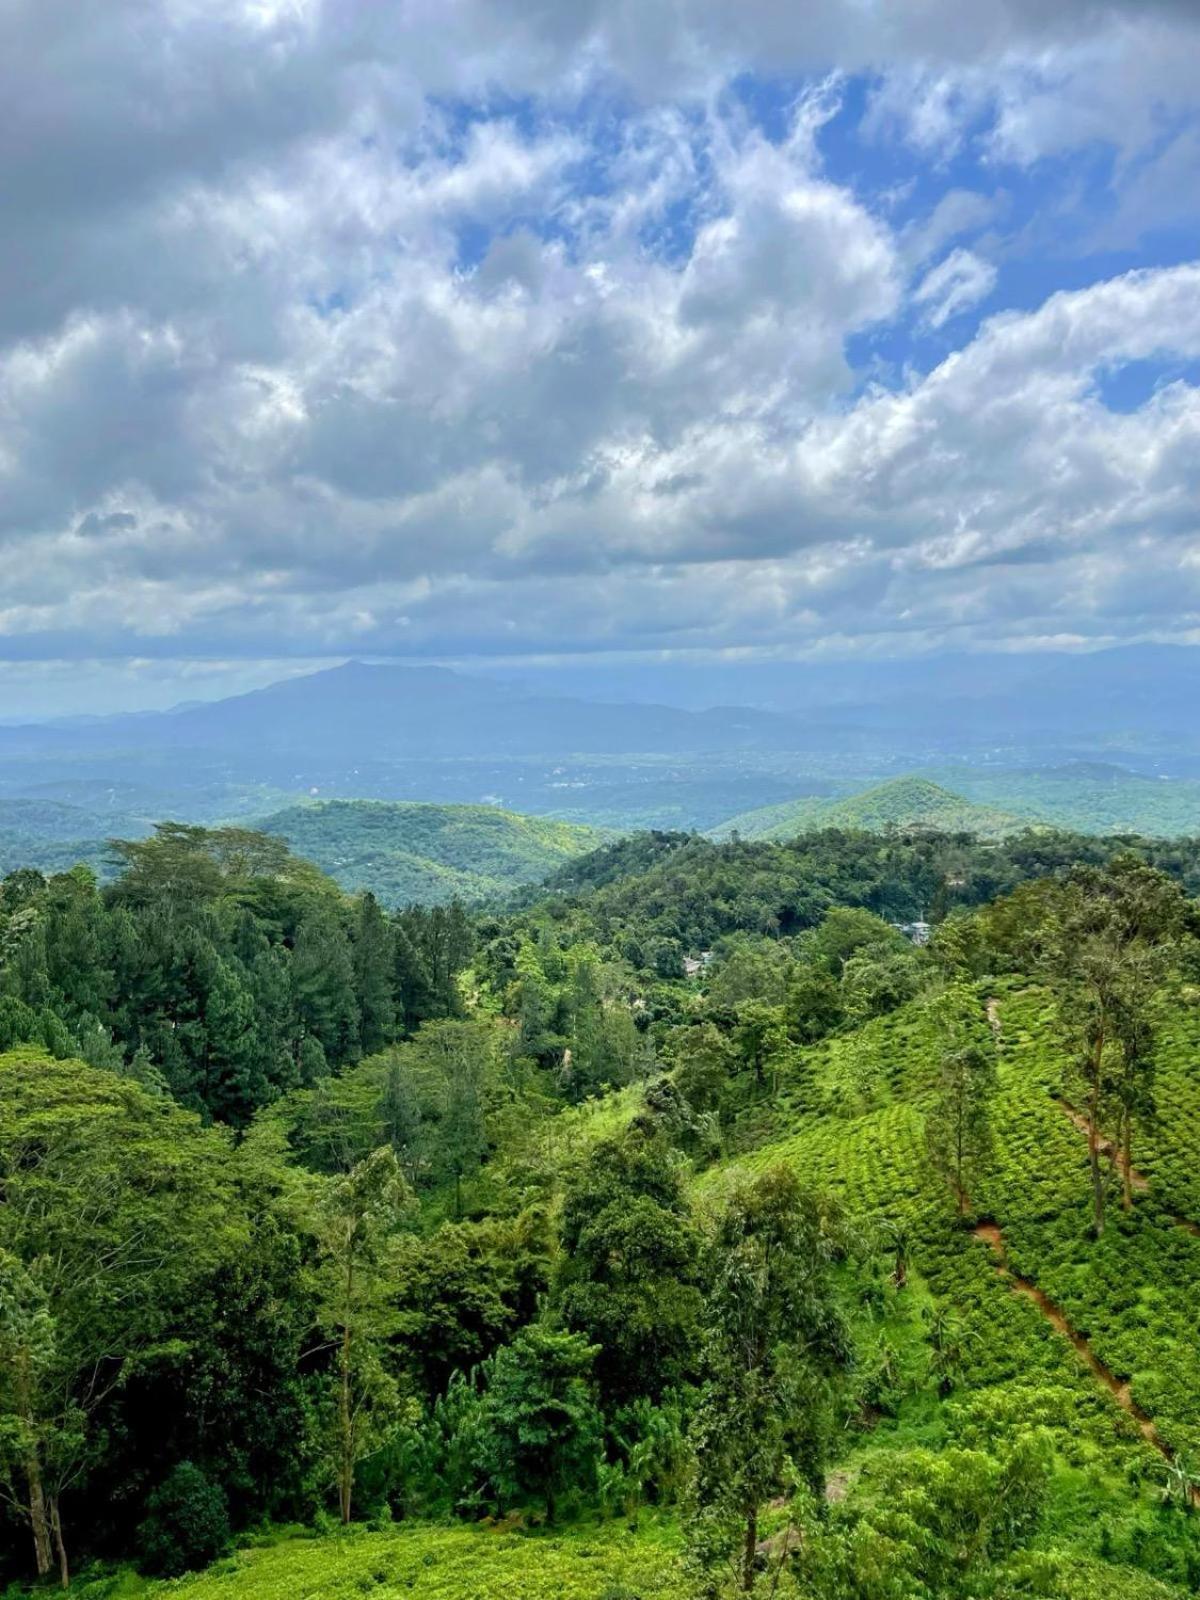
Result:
[{"x": 595, "y": 1562}]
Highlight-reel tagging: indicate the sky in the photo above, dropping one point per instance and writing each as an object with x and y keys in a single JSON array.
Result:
[{"x": 514, "y": 329}]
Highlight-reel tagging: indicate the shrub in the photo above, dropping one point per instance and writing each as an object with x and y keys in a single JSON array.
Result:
[{"x": 186, "y": 1525}]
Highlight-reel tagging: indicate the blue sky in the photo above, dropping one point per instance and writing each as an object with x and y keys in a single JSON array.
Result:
[{"x": 504, "y": 330}]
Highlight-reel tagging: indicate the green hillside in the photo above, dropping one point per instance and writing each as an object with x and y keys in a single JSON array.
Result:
[
  {"x": 910, "y": 802},
  {"x": 408, "y": 852},
  {"x": 1088, "y": 796},
  {"x": 561, "y": 1263}
]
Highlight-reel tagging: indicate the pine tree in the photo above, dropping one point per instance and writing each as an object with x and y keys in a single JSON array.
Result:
[
  {"x": 323, "y": 985},
  {"x": 374, "y": 962},
  {"x": 400, "y": 1116}
]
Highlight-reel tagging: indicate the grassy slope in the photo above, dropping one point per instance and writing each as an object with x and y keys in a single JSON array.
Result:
[
  {"x": 407, "y": 851},
  {"x": 434, "y": 1563},
  {"x": 901, "y": 802}
]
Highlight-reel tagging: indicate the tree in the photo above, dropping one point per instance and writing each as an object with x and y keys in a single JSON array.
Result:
[
  {"x": 542, "y": 1430},
  {"x": 458, "y": 1062},
  {"x": 958, "y": 1128},
  {"x": 1112, "y": 935},
  {"x": 323, "y": 985},
  {"x": 759, "y": 1036},
  {"x": 774, "y": 1339},
  {"x": 630, "y": 1268},
  {"x": 374, "y": 961},
  {"x": 236, "y": 1080},
  {"x": 814, "y": 1005},
  {"x": 400, "y": 1115},
  {"x": 355, "y": 1220},
  {"x": 187, "y": 1523},
  {"x": 116, "y": 1205}
]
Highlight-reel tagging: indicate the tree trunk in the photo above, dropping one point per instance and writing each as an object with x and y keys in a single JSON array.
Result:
[
  {"x": 1127, "y": 1162},
  {"x": 345, "y": 1406},
  {"x": 39, "y": 1521},
  {"x": 346, "y": 1433},
  {"x": 750, "y": 1549},
  {"x": 64, "y": 1568},
  {"x": 1094, "y": 1140}
]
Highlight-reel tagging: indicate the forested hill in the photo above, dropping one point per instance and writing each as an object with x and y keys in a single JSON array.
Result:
[
  {"x": 903, "y": 803},
  {"x": 1080, "y": 796},
  {"x": 448, "y": 1227},
  {"x": 407, "y": 853}
]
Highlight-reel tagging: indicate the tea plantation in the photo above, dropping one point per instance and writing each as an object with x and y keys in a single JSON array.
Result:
[
  {"x": 606, "y": 1562},
  {"x": 1130, "y": 1298}
]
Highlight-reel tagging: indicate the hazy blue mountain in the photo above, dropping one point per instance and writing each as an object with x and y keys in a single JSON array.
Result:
[
  {"x": 397, "y": 711},
  {"x": 564, "y": 743},
  {"x": 971, "y": 698}
]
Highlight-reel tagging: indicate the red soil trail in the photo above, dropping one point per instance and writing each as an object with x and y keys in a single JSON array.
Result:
[
  {"x": 988, "y": 1233},
  {"x": 1137, "y": 1180}
]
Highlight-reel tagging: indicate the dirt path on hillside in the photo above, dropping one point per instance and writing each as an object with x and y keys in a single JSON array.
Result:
[
  {"x": 993, "y": 1016},
  {"x": 1137, "y": 1180},
  {"x": 988, "y": 1233}
]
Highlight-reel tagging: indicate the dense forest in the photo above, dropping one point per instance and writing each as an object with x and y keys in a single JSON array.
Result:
[{"x": 681, "y": 1228}]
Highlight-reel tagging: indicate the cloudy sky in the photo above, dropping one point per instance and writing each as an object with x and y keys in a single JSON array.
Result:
[{"x": 465, "y": 328}]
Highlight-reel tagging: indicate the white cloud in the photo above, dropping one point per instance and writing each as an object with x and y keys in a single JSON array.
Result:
[
  {"x": 958, "y": 283},
  {"x": 301, "y": 351}
]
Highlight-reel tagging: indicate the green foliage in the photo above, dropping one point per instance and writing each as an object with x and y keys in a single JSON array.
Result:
[
  {"x": 186, "y": 1525},
  {"x": 903, "y": 803},
  {"x": 516, "y": 1217},
  {"x": 407, "y": 851},
  {"x": 540, "y": 1429},
  {"x": 585, "y": 1562},
  {"x": 774, "y": 1336},
  {"x": 631, "y": 1269}
]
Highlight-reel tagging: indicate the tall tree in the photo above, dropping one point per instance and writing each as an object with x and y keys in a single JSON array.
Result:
[
  {"x": 541, "y": 1431},
  {"x": 958, "y": 1126},
  {"x": 630, "y": 1268},
  {"x": 774, "y": 1338},
  {"x": 323, "y": 984},
  {"x": 1111, "y": 939},
  {"x": 115, "y": 1203},
  {"x": 356, "y": 1220},
  {"x": 374, "y": 963}
]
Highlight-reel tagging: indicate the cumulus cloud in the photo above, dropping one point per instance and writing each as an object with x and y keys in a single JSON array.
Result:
[{"x": 518, "y": 328}]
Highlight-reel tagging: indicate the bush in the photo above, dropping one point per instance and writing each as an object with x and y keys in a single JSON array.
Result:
[{"x": 187, "y": 1523}]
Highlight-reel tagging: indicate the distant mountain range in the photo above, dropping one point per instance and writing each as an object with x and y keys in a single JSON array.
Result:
[
  {"x": 367, "y": 713},
  {"x": 433, "y": 853},
  {"x": 1081, "y": 741}
]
